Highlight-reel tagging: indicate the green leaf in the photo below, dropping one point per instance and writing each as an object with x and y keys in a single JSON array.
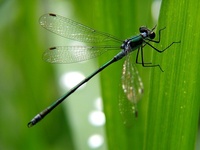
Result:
[
  {"x": 174, "y": 95},
  {"x": 170, "y": 119},
  {"x": 123, "y": 19},
  {"x": 27, "y": 84}
]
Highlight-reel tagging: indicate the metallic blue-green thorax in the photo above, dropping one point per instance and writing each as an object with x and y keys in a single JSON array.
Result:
[{"x": 130, "y": 45}]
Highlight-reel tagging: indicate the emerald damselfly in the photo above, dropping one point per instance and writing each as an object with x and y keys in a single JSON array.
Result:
[{"x": 132, "y": 85}]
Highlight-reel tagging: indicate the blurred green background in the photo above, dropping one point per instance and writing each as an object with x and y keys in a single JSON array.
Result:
[{"x": 28, "y": 84}]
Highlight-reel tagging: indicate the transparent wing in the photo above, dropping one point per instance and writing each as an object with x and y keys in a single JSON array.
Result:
[
  {"x": 73, "y": 30},
  {"x": 132, "y": 91},
  {"x": 71, "y": 54}
]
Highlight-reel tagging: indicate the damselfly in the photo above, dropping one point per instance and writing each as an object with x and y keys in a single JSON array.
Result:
[{"x": 131, "y": 83}]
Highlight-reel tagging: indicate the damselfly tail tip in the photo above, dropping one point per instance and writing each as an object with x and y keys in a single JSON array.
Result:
[
  {"x": 30, "y": 124},
  {"x": 35, "y": 120}
]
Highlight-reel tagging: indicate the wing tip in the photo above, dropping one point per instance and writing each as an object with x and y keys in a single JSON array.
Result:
[{"x": 51, "y": 14}]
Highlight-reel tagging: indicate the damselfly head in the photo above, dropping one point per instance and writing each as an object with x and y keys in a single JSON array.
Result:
[
  {"x": 152, "y": 35},
  {"x": 147, "y": 33}
]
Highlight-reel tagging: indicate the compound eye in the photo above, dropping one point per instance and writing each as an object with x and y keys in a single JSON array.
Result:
[
  {"x": 142, "y": 29},
  {"x": 152, "y": 35}
]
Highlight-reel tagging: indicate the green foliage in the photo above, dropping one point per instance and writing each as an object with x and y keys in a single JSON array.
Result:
[
  {"x": 124, "y": 22},
  {"x": 169, "y": 109},
  {"x": 174, "y": 95},
  {"x": 27, "y": 83},
  {"x": 173, "y": 99}
]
